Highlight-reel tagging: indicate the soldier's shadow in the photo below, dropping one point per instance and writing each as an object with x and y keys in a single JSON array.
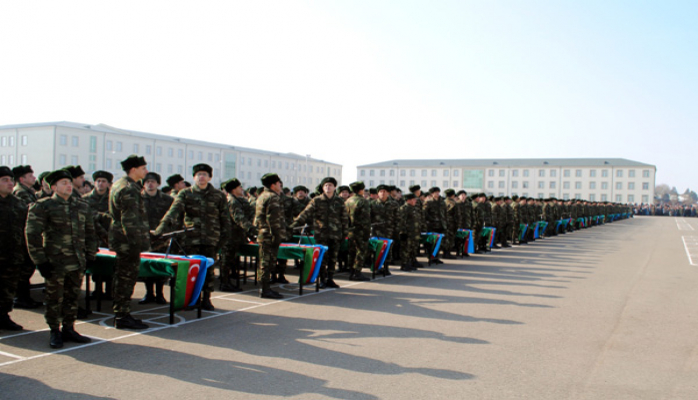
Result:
[{"x": 22, "y": 387}]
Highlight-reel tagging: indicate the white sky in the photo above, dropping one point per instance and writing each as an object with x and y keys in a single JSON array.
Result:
[{"x": 357, "y": 82}]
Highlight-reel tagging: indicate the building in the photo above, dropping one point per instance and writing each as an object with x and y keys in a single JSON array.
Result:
[
  {"x": 594, "y": 179},
  {"x": 53, "y": 145}
]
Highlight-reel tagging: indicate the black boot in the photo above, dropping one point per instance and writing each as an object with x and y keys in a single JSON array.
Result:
[
  {"x": 386, "y": 270},
  {"x": 331, "y": 284},
  {"x": 8, "y": 324},
  {"x": 406, "y": 267},
  {"x": 126, "y": 321},
  {"x": 230, "y": 288},
  {"x": 149, "y": 295},
  {"x": 69, "y": 335},
  {"x": 206, "y": 303},
  {"x": 159, "y": 295},
  {"x": 358, "y": 276},
  {"x": 281, "y": 278},
  {"x": 266, "y": 293},
  {"x": 56, "y": 340}
]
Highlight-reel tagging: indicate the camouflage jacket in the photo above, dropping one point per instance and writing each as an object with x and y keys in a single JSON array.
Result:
[
  {"x": 156, "y": 207},
  {"x": 508, "y": 213},
  {"x": 241, "y": 219},
  {"x": 478, "y": 215},
  {"x": 410, "y": 219},
  {"x": 58, "y": 230},
  {"x": 382, "y": 219},
  {"x": 435, "y": 215},
  {"x": 205, "y": 210},
  {"x": 13, "y": 216},
  {"x": 466, "y": 214},
  {"x": 287, "y": 203},
  {"x": 549, "y": 213},
  {"x": 269, "y": 218},
  {"x": 394, "y": 206},
  {"x": 299, "y": 205},
  {"x": 99, "y": 203},
  {"x": 129, "y": 228},
  {"x": 359, "y": 214},
  {"x": 329, "y": 217},
  {"x": 453, "y": 215},
  {"x": 41, "y": 194},
  {"x": 497, "y": 215},
  {"x": 25, "y": 194}
]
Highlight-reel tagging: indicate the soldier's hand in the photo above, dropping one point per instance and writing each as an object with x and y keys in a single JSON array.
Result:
[{"x": 45, "y": 269}]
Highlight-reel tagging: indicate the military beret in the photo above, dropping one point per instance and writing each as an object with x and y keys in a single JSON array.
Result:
[
  {"x": 102, "y": 174},
  {"x": 434, "y": 189},
  {"x": 410, "y": 196},
  {"x": 230, "y": 184},
  {"x": 373, "y": 191},
  {"x": 20, "y": 170},
  {"x": 174, "y": 179},
  {"x": 450, "y": 192},
  {"x": 153, "y": 176},
  {"x": 57, "y": 175},
  {"x": 202, "y": 167},
  {"x": 328, "y": 179},
  {"x": 343, "y": 188},
  {"x": 75, "y": 171},
  {"x": 414, "y": 188},
  {"x": 300, "y": 188},
  {"x": 270, "y": 179},
  {"x": 356, "y": 187},
  {"x": 382, "y": 187},
  {"x": 133, "y": 161},
  {"x": 6, "y": 171},
  {"x": 42, "y": 175}
]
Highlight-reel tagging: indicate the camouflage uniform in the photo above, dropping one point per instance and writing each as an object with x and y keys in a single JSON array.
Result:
[
  {"x": 156, "y": 207},
  {"x": 13, "y": 215},
  {"x": 409, "y": 227},
  {"x": 128, "y": 237},
  {"x": 508, "y": 212},
  {"x": 241, "y": 220},
  {"x": 205, "y": 210},
  {"x": 99, "y": 203},
  {"x": 61, "y": 232},
  {"x": 28, "y": 197},
  {"x": 359, "y": 214},
  {"x": 382, "y": 219},
  {"x": 453, "y": 218},
  {"x": 435, "y": 215},
  {"x": 393, "y": 206},
  {"x": 271, "y": 228},
  {"x": 330, "y": 225}
]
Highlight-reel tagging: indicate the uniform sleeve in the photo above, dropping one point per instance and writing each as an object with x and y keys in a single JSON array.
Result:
[
  {"x": 275, "y": 218},
  {"x": 225, "y": 221},
  {"x": 172, "y": 217},
  {"x": 90, "y": 235},
  {"x": 305, "y": 215},
  {"x": 36, "y": 223},
  {"x": 237, "y": 215},
  {"x": 344, "y": 219}
]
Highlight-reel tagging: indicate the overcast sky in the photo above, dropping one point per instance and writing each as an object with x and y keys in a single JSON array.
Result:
[{"x": 357, "y": 82}]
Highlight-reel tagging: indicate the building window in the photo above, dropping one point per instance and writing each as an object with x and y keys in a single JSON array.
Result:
[
  {"x": 109, "y": 145},
  {"x": 565, "y": 185},
  {"x": 455, "y": 172},
  {"x": 645, "y": 198},
  {"x": 3, "y": 141},
  {"x": 455, "y": 184},
  {"x": 592, "y": 185},
  {"x": 592, "y": 197},
  {"x": 433, "y": 183},
  {"x": 363, "y": 171},
  {"x": 578, "y": 185},
  {"x": 645, "y": 186},
  {"x": 391, "y": 172},
  {"x": 25, "y": 140},
  {"x": 445, "y": 184},
  {"x": 259, "y": 161},
  {"x": 619, "y": 185},
  {"x": 191, "y": 157},
  {"x": 148, "y": 149},
  {"x": 118, "y": 146},
  {"x": 541, "y": 173},
  {"x": 63, "y": 140},
  {"x": 74, "y": 160},
  {"x": 169, "y": 168},
  {"x": 515, "y": 185},
  {"x": 525, "y": 173},
  {"x": 631, "y": 173},
  {"x": 501, "y": 184},
  {"x": 604, "y": 185},
  {"x": 604, "y": 197},
  {"x": 136, "y": 148},
  {"x": 490, "y": 184},
  {"x": 578, "y": 173},
  {"x": 631, "y": 185},
  {"x": 23, "y": 159},
  {"x": 371, "y": 173},
  {"x": 75, "y": 141},
  {"x": 645, "y": 173},
  {"x": 413, "y": 172},
  {"x": 578, "y": 196},
  {"x": 566, "y": 173},
  {"x": 445, "y": 172},
  {"x": 158, "y": 151},
  {"x": 552, "y": 185},
  {"x": 592, "y": 173},
  {"x": 402, "y": 172},
  {"x": 93, "y": 144},
  {"x": 490, "y": 172},
  {"x": 424, "y": 173},
  {"x": 502, "y": 172},
  {"x": 553, "y": 173},
  {"x": 515, "y": 173},
  {"x": 180, "y": 169},
  {"x": 541, "y": 185},
  {"x": 565, "y": 196},
  {"x": 433, "y": 172},
  {"x": 210, "y": 157},
  {"x": 619, "y": 198},
  {"x": 524, "y": 185},
  {"x": 180, "y": 153},
  {"x": 604, "y": 174},
  {"x": 382, "y": 172},
  {"x": 631, "y": 198},
  {"x": 201, "y": 156},
  {"x": 619, "y": 173}
]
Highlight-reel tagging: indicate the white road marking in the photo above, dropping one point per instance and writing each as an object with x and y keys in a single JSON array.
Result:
[
  {"x": 683, "y": 225},
  {"x": 690, "y": 243}
]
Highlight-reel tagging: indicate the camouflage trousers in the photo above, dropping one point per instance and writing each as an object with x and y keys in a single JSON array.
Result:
[
  {"x": 449, "y": 240},
  {"x": 230, "y": 262},
  {"x": 409, "y": 248},
  {"x": 126, "y": 270},
  {"x": 358, "y": 251},
  {"x": 210, "y": 252},
  {"x": 268, "y": 251},
  {"x": 329, "y": 261},
  {"x": 62, "y": 293},
  {"x": 9, "y": 276}
]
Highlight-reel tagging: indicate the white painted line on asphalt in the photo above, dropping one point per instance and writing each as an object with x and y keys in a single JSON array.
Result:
[
  {"x": 2, "y": 353},
  {"x": 690, "y": 243},
  {"x": 683, "y": 225}
]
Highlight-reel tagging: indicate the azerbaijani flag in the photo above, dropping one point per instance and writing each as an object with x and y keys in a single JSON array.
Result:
[
  {"x": 435, "y": 239},
  {"x": 468, "y": 243},
  {"x": 312, "y": 260},
  {"x": 195, "y": 279},
  {"x": 489, "y": 232},
  {"x": 382, "y": 246},
  {"x": 523, "y": 228}
]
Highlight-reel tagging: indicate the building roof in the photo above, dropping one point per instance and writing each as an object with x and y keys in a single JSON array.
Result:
[
  {"x": 103, "y": 128},
  {"x": 510, "y": 162}
]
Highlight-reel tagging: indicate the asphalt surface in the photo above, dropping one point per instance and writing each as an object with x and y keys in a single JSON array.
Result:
[{"x": 603, "y": 313}]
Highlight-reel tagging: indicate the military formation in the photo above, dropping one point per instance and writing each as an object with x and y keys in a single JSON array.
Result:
[{"x": 55, "y": 223}]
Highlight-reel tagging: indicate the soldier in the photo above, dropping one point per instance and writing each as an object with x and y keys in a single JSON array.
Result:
[
  {"x": 128, "y": 237},
  {"x": 24, "y": 191},
  {"x": 452, "y": 221},
  {"x": 242, "y": 227},
  {"x": 13, "y": 214},
  {"x": 409, "y": 226},
  {"x": 156, "y": 205},
  {"x": 61, "y": 241},
  {"x": 206, "y": 210},
  {"x": 279, "y": 275},
  {"x": 45, "y": 188},
  {"x": 330, "y": 225},
  {"x": 373, "y": 193},
  {"x": 435, "y": 215},
  {"x": 176, "y": 183},
  {"x": 98, "y": 199},
  {"x": 479, "y": 222},
  {"x": 382, "y": 218},
  {"x": 300, "y": 199},
  {"x": 78, "y": 179},
  {"x": 252, "y": 192},
  {"x": 271, "y": 227},
  {"x": 359, "y": 213},
  {"x": 549, "y": 217},
  {"x": 344, "y": 192},
  {"x": 394, "y": 206}
]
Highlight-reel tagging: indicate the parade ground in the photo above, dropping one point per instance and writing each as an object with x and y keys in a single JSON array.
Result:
[{"x": 609, "y": 312}]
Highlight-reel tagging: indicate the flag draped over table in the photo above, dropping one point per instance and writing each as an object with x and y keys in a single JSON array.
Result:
[
  {"x": 541, "y": 226},
  {"x": 312, "y": 259},
  {"x": 468, "y": 242},
  {"x": 489, "y": 232},
  {"x": 434, "y": 239},
  {"x": 381, "y": 246},
  {"x": 196, "y": 277},
  {"x": 522, "y": 228}
]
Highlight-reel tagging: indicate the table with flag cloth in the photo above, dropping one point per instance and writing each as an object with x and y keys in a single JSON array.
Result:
[{"x": 465, "y": 242}]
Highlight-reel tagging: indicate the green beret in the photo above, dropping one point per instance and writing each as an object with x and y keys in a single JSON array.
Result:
[
  {"x": 202, "y": 167},
  {"x": 132, "y": 161},
  {"x": 57, "y": 175},
  {"x": 270, "y": 179}
]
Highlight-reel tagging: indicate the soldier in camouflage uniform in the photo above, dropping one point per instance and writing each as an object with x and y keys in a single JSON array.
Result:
[
  {"x": 24, "y": 191},
  {"x": 13, "y": 214},
  {"x": 242, "y": 227},
  {"x": 45, "y": 190},
  {"x": 279, "y": 275},
  {"x": 344, "y": 192},
  {"x": 382, "y": 218},
  {"x": 61, "y": 241},
  {"x": 176, "y": 183},
  {"x": 359, "y": 214},
  {"x": 271, "y": 229},
  {"x": 435, "y": 215},
  {"x": 453, "y": 219},
  {"x": 330, "y": 226},
  {"x": 205, "y": 209},
  {"x": 549, "y": 217},
  {"x": 78, "y": 175},
  {"x": 409, "y": 228},
  {"x": 98, "y": 199},
  {"x": 156, "y": 205},
  {"x": 497, "y": 219},
  {"x": 393, "y": 206},
  {"x": 128, "y": 237}
]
